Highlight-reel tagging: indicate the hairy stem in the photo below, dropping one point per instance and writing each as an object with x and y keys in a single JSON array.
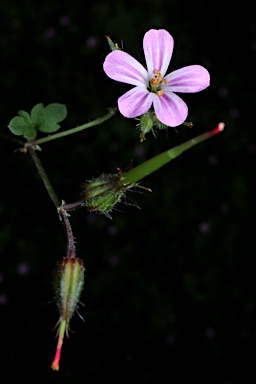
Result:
[
  {"x": 44, "y": 177},
  {"x": 71, "y": 252},
  {"x": 97, "y": 121},
  {"x": 62, "y": 212}
]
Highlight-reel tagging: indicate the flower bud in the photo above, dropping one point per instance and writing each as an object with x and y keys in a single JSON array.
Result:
[
  {"x": 101, "y": 194},
  {"x": 69, "y": 285},
  {"x": 146, "y": 124},
  {"x": 148, "y": 121}
]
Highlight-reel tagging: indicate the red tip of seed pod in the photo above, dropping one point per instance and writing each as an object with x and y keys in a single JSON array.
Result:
[
  {"x": 61, "y": 331},
  {"x": 221, "y": 126},
  {"x": 55, "y": 363}
]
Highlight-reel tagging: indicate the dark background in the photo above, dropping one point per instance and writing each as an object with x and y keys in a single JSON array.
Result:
[{"x": 170, "y": 287}]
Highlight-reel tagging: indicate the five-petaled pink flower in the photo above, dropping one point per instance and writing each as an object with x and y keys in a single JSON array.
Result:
[{"x": 152, "y": 86}]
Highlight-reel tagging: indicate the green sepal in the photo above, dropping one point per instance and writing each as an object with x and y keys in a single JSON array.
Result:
[
  {"x": 113, "y": 46},
  {"x": 157, "y": 123},
  {"x": 148, "y": 122},
  {"x": 69, "y": 281},
  {"x": 101, "y": 194}
]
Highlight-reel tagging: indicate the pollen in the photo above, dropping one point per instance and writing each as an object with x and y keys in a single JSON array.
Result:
[
  {"x": 156, "y": 82},
  {"x": 157, "y": 79}
]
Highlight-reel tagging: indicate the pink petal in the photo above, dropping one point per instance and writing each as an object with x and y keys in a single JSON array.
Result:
[
  {"x": 170, "y": 109},
  {"x": 121, "y": 66},
  {"x": 158, "y": 47},
  {"x": 193, "y": 78},
  {"x": 135, "y": 102}
]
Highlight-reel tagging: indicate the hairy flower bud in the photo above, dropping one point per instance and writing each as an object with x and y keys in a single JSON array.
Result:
[
  {"x": 69, "y": 285},
  {"x": 146, "y": 124},
  {"x": 101, "y": 194}
]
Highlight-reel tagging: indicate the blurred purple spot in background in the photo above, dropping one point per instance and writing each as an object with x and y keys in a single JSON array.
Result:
[{"x": 23, "y": 269}]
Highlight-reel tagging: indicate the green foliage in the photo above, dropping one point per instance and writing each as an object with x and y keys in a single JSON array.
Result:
[{"x": 44, "y": 119}]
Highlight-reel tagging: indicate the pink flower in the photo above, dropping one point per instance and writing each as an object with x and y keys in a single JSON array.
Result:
[{"x": 152, "y": 86}]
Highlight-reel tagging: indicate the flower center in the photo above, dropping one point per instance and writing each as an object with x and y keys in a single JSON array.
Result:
[{"x": 156, "y": 81}]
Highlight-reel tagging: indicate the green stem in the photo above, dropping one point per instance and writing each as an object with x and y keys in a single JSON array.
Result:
[
  {"x": 100, "y": 120},
  {"x": 71, "y": 251},
  {"x": 138, "y": 173},
  {"x": 44, "y": 177},
  {"x": 61, "y": 210},
  {"x": 73, "y": 206}
]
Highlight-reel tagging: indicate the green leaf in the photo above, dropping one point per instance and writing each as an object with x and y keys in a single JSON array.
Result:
[
  {"x": 44, "y": 119},
  {"x": 48, "y": 117},
  {"x": 25, "y": 115},
  {"x": 48, "y": 127},
  {"x": 17, "y": 125},
  {"x": 22, "y": 125},
  {"x": 37, "y": 114},
  {"x": 30, "y": 133},
  {"x": 55, "y": 112}
]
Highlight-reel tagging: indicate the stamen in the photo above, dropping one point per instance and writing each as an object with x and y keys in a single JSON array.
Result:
[
  {"x": 157, "y": 79},
  {"x": 160, "y": 93},
  {"x": 156, "y": 82}
]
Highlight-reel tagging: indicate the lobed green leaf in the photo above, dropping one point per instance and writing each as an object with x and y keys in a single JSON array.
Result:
[
  {"x": 55, "y": 112},
  {"x": 44, "y": 119}
]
